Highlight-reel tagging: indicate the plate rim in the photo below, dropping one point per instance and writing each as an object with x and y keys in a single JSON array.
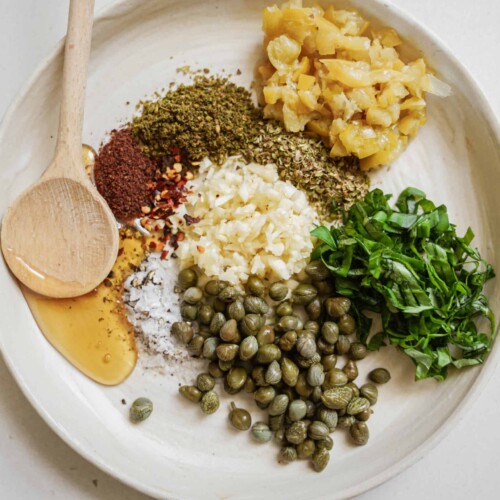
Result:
[{"x": 111, "y": 11}]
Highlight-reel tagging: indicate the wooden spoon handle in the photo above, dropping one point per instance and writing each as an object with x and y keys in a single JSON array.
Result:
[{"x": 76, "y": 61}]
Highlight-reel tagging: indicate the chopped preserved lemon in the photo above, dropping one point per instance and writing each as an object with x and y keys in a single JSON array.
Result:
[{"x": 328, "y": 73}]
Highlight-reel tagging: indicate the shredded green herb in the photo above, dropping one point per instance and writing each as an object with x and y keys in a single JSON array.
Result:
[{"x": 408, "y": 264}]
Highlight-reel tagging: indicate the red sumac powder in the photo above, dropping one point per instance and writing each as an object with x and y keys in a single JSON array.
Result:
[{"x": 121, "y": 174}]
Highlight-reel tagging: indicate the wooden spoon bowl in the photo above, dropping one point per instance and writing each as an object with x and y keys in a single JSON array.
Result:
[{"x": 60, "y": 238}]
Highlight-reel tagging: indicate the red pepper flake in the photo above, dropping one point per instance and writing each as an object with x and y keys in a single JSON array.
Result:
[
  {"x": 200, "y": 249},
  {"x": 164, "y": 255},
  {"x": 180, "y": 236}
]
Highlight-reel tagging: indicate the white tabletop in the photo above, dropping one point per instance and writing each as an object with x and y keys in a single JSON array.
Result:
[{"x": 35, "y": 463}]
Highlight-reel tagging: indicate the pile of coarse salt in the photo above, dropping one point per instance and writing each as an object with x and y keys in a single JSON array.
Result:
[{"x": 152, "y": 306}]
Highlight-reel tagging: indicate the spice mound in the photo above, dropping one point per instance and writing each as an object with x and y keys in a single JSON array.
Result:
[
  {"x": 250, "y": 222},
  {"x": 121, "y": 174},
  {"x": 215, "y": 118}
]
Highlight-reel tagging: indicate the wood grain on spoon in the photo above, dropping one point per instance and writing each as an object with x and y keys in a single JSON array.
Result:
[{"x": 59, "y": 237}]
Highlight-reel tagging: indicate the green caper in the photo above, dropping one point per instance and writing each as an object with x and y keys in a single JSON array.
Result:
[
  {"x": 140, "y": 410},
  {"x": 358, "y": 351},
  {"x": 297, "y": 410},
  {"x": 347, "y": 324},
  {"x": 354, "y": 388},
  {"x": 318, "y": 430},
  {"x": 351, "y": 370},
  {"x": 306, "y": 449},
  {"x": 314, "y": 309},
  {"x": 278, "y": 291},
  {"x": 364, "y": 415},
  {"x": 263, "y": 396},
  {"x": 288, "y": 340},
  {"x": 289, "y": 391},
  {"x": 261, "y": 432},
  {"x": 320, "y": 459},
  {"x": 337, "y": 307},
  {"x": 329, "y": 361},
  {"x": 273, "y": 373},
  {"x": 284, "y": 309},
  {"x": 276, "y": 422},
  {"x": 297, "y": 432},
  {"x": 240, "y": 418},
  {"x": 256, "y": 286},
  {"x": 324, "y": 287},
  {"x": 236, "y": 377},
  {"x": 259, "y": 376},
  {"x": 216, "y": 323},
  {"x": 193, "y": 295},
  {"x": 307, "y": 362},
  {"x": 328, "y": 417},
  {"x": 370, "y": 392},
  {"x": 379, "y": 376},
  {"x": 359, "y": 433},
  {"x": 289, "y": 371},
  {"x": 224, "y": 365},
  {"x": 205, "y": 314},
  {"x": 306, "y": 346},
  {"x": 248, "y": 348},
  {"x": 214, "y": 370},
  {"x": 227, "y": 352},
  {"x": 330, "y": 332},
  {"x": 279, "y": 437},
  {"x": 278, "y": 405},
  {"x": 189, "y": 312},
  {"x": 255, "y": 305},
  {"x": 219, "y": 306},
  {"x": 302, "y": 387},
  {"x": 324, "y": 347},
  {"x": 317, "y": 270},
  {"x": 229, "y": 332},
  {"x": 287, "y": 323},
  {"x": 209, "y": 402},
  {"x": 346, "y": 421},
  {"x": 191, "y": 393},
  {"x": 266, "y": 335},
  {"x": 195, "y": 346},
  {"x": 228, "y": 295},
  {"x": 268, "y": 353},
  {"x": 311, "y": 327},
  {"x": 236, "y": 310},
  {"x": 182, "y": 331},
  {"x": 337, "y": 398},
  {"x": 287, "y": 454},
  {"x": 343, "y": 345},
  {"x": 230, "y": 390},
  {"x": 311, "y": 409},
  {"x": 251, "y": 324},
  {"x": 214, "y": 287},
  {"x": 209, "y": 348},
  {"x": 357, "y": 405},
  {"x": 304, "y": 294},
  {"x": 315, "y": 375},
  {"x": 205, "y": 332},
  {"x": 325, "y": 444},
  {"x": 187, "y": 278},
  {"x": 335, "y": 378},
  {"x": 249, "y": 386},
  {"x": 205, "y": 382},
  {"x": 316, "y": 394}
]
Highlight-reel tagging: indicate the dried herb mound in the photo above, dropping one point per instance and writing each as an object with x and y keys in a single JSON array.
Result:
[
  {"x": 215, "y": 118},
  {"x": 121, "y": 174}
]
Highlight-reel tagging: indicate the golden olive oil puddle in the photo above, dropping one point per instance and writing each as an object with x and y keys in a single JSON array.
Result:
[{"x": 92, "y": 331}]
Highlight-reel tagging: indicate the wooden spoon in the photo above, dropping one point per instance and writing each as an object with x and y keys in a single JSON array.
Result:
[{"x": 59, "y": 237}]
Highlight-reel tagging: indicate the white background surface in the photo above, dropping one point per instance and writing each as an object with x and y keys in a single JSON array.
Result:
[{"x": 35, "y": 463}]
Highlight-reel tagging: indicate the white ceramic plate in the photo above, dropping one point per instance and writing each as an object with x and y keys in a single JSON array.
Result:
[{"x": 178, "y": 453}]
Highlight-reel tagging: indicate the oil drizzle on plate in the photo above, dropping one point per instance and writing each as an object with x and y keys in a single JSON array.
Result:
[{"x": 91, "y": 331}]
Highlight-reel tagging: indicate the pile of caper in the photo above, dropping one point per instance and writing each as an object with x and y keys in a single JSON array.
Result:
[{"x": 257, "y": 341}]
